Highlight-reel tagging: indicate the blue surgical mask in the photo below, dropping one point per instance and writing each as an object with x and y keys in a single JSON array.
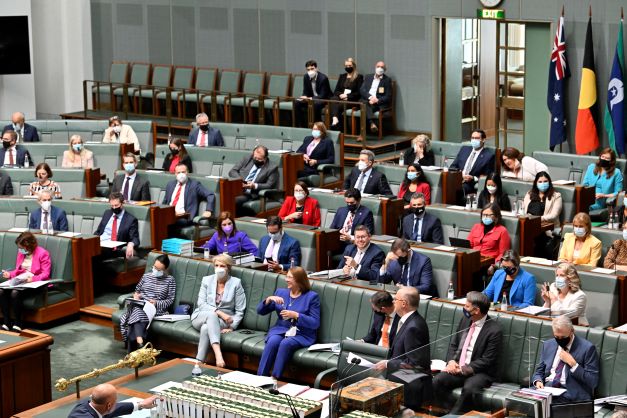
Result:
[
  {"x": 579, "y": 231},
  {"x": 315, "y": 133},
  {"x": 23, "y": 251},
  {"x": 129, "y": 168},
  {"x": 275, "y": 237},
  {"x": 543, "y": 187},
  {"x": 560, "y": 282},
  {"x": 157, "y": 273},
  {"x": 77, "y": 147},
  {"x": 467, "y": 314},
  {"x": 475, "y": 143},
  {"x": 487, "y": 221},
  {"x": 411, "y": 175}
]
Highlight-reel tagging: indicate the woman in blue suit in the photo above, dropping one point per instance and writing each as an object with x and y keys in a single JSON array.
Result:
[
  {"x": 518, "y": 285},
  {"x": 298, "y": 308}
]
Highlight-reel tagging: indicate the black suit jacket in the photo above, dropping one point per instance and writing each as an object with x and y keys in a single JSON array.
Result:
[
  {"x": 427, "y": 159},
  {"x": 363, "y": 216},
  {"x": 194, "y": 194},
  {"x": 140, "y": 190},
  {"x": 30, "y": 132},
  {"x": 322, "y": 86},
  {"x": 431, "y": 228},
  {"x": 128, "y": 230},
  {"x": 403, "y": 354},
  {"x": 384, "y": 92},
  {"x": 483, "y": 165},
  {"x": 167, "y": 161},
  {"x": 376, "y": 183},
  {"x": 324, "y": 153},
  {"x": 214, "y": 137},
  {"x": 485, "y": 353},
  {"x": 353, "y": 85},
  {"x": 20, "y": 152},
  {"x": 268, "y": 177},
  {"x": 374, "y": 335},
  {"x": 370, "y": 263},
  {"x": 83, "y": 410},
  {"x": 6, "y": 186}
]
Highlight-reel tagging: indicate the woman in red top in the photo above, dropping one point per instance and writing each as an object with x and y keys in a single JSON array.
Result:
[
  {"x": 177, "y": 155},
  {"x": 489, "y": 236},
  {"x": 414, "y": 182},
  {"x": 301, "y": 208}
]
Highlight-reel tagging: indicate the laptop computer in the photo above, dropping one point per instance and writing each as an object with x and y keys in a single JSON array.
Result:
[
  {"x": 459, "y": 242},
  {"x": 584, "y": 409}
]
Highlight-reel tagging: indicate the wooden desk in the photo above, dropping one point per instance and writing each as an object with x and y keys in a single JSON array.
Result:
[
  {"x": 161, "y": 216},
  {"x": 92, "y": 180},
  {"x": 229, "y": 190},
  {"x": 24, "y": 371},
  {"x": 530, "y": 229},
  {"x": 292, "y": 163},
  {"x": 584, "y": 197},
  {"x": 392, "y": 211},
  {"x": 451, "y": 186}
]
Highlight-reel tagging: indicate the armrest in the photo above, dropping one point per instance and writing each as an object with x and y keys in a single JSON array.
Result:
[
  {"x": 328, "y": 168},
  {"x": 122, "y": 298},
  {"x": 322, "y": 375},
  {"x": 203, "y": 221},
  {"x": 273, "y": 194}
]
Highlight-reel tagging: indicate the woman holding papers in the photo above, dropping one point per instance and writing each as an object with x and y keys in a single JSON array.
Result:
[
  {"x": 317, "y": 149},
  {"x": 157, "y": 288},
  {"x": 520, "y": 166},
  {"x": 493, "y": 193},
  {"x": 220, "y": 307},
  {"x": 228, "y": 239},
  {"x": 580, "y": 246},
  {"x": 77, "y": 156},
  {"x": 298, "y": 309},
  {"x": 32, "y": 265},
  {"x": 603, "y": 175},
  {"x": 565, "y": 294},
  {"x": 300, "y": 208},
  {"x": 414, "y": 182}
]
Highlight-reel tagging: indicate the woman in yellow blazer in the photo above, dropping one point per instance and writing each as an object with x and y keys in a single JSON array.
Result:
[{"x": 580, "y": 247}]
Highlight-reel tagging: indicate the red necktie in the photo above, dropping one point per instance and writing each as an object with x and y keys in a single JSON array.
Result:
[
  {"x": 177, "y": 195},
  {"x": 11, "y": 160},
  {"x": 114, "y": 228},
  {"x": 203, "y": 139}
]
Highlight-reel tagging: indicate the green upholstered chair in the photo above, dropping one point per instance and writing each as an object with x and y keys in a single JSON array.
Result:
[
  {"x": 182, "y": 81},
  {"x": 140, "y": 76},
  {"x": 118, "y": 74},
  {"x": 396, "y": 174},
  {"x": 252, "y": 89},
  {"x": 204, "y": 84},
  {"x": 229, "y": 83},
  {"x": 389, "y": 112},
  {"x": 71, "y": 181},
  {"x": 287, "y": 103},
  {"x": 278, "y": 87},
  {"x": 161, "y": 79}
]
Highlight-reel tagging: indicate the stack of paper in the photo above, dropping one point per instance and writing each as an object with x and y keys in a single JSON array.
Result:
[{"x": 178, "y": 246}]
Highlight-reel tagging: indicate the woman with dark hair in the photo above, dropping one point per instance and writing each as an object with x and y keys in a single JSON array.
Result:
[
  {"x": 489, "y": 236},
  {"x": 603, "y": 175},
  {"x": 414, "y": 182},
  {"x": 493, "y": 193},
  {"x": 158, "y": 288},
  {"x": 300, "y": 208},
  {"x": 520, "y": 166},
  {"x": 177, "y": 155},
  {"x": 317, "y": 149},
  {"x": 510, "y": 279},
  {"x": 32, "y": 264},
  {"x": 43, "y": 174},
  {"x": 543, "y": 200},
  {"x": 298, "y": 309},
  {"x": 228, "y": 239}
]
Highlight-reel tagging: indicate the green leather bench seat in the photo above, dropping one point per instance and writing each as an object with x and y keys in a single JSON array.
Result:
[
  {"x": 396, "y": 174},
  {"x": 330, "y": 202},
  {"x": 71, "y": 181},
  {"x": 560, "y": 163}
]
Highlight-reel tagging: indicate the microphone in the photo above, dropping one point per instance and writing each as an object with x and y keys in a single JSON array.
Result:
[
  {"x": 336, "y": 404},
  {"x": 455, "y": 232},
  {"x": 329, "y": 265},
  {"x": 73, "y": 221},
  {"x": 290, "y": 403},
  {"x": 67, "y": 130},
  {"x": 27, "y": 216},
  {"x": 221, "y": 166}
]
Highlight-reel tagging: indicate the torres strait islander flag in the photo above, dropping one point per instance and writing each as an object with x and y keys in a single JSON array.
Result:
[
  {"x": 615, "y": 105},
  {"x": 586, "y": 135}
]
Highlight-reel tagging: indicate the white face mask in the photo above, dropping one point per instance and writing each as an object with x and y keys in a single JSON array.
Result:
[
  {"x": 299, "y": 196},
  {"x": 491, "y": 189},
  {"x": 46, "y": 204},
  {"x": 560, "y": 282},
  {"x": 157, "y": 273},
  {"x": 117, "y": 129},
  {"x": 181, "y": 177},
  {"x": 379, "y": 71},
  {"x": 579, "y": 231},
  {"x": 220, "y": 272},
  {"x": 625, "y": 234},
  {"x": 362, "y": 165},
  {"x": 311, "y": 73}
]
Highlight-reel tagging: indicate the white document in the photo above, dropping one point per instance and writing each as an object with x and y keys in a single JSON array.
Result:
[
  {"x": 247, "y": 379},
  {"x": 171, "y": 318},
  {"x": 144, "y": 413},
  {"x": 150, "y": 311},
  {"x": 213, "y": 177},
  {"x": 316, "y": 189},
  {"x": 425, "y": 297},
  {"x": 461, "y": 301},
  {"x": 534, "y": 310},
  {"x": 16, "y": 229},
  {"x": 328, "y": 273},
  {"x": 564, "y": 182},
  {"x": 438, "y": 365},
  {"x": 553, "y": 391},
  {"x": 444, "y": 248},
  {"x": 455, "y": 207},
  {"x": 431, "y": 168},
  {"x": 538, "y": 260},
  {"x": 622, "y": 328},
  {"x": 322, "y": 347},
  {"x": 314, "y": 394},
  {"x": 69, "y": 234},
  {"x": 258, "y": 221},
  {"x": 602, "y": 270},
  {"x": 347, "y": 91},
  {"x": 112, "y": 244},
  {"x": 31, "y": 285},
  {"x": 293, "y": 390},
  {"x": 508, "y": 213},
  {"x": 278, "y": 151},
  {"x": 164, "y": 386},
  {"x": 362, "y": 363},
  {"x": 29, "y": 197}
]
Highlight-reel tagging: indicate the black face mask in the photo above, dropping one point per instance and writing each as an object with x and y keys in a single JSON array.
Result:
[
  {"x": 604, "y": 163},
  {"x": 116, "y": 211},
  {"x": 509, "y": 270},
  {"x": 6, "y": 144},
  {"x": 349, "y": 69},
  {"x": 403, "y": 260},
  {"x": 352, "y": 207},
  {"x": 258, "y": 163},
  {"x": 562, "y": 341},
  {"x": 419, "y": 210},
  {"x": 204, "y": 128},
  {"x": 174, "y": 151}
]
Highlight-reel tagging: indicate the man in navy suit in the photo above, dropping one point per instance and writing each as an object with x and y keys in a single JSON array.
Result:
[
  {"x": 366, "y": 178},
  {"x": 12, "y": 154},
  {"x": 349, "y": 217},
  {"x": 185, "y": 194},
  {"x": 419, "y": 225},
  {"x": 24, "y": 131},
  {"x": 277, "y": 248},
  {"x": 204, "y": 135},
  {"x": 408, "y": 268},
  {"x": 362, "y": 259},
  {"x": 118, "y": 225},
  {"x": 472, "y": 360},
  {"x": 382, "y": 304},
  {"x": 48, "y": 215},
  {"x": 474, "y": 161},
  {"x": 103, "y": 404},
  {"x": 376, "y": 93},
  {"x": 568, "y": 362},
  {"x": 315, "y": 86}
]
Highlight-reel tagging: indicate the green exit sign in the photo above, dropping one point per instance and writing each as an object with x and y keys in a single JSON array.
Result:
[{"x": 490, "y": 14}]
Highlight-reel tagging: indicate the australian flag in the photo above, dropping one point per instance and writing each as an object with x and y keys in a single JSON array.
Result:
[{"x": 558, "y": 73}]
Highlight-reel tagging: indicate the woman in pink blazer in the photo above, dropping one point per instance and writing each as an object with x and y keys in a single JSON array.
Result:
[{"x": 32, "y": 265}]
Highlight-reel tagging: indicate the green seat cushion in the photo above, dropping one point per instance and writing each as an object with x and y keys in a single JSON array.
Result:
[
  {"x": 267, "y": 104},
  {"x": 174, "y": 95},
  {"x": 120, "y": 91},
  {"x": 351, "y": 112},
  {"x": 232, "y": 341},
  {"x": 239, "y": 101},
  {"x": 286, "y": 105},
  {"x": 181, "y": 331},
  {"x": 254, "y": 345},
  {"x": 54, "y": 296},
  {"x": 315, "y": 359}
]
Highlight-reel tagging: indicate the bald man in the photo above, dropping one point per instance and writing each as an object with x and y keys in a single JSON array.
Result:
[
  {"x": 25, "y": 132},
  {"x": 103, "y": 404}
]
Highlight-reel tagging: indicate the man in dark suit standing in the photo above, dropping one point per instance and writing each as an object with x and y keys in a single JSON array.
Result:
[
  {"x": 384, "y": 316},
  {"x": 185, "y": 195},
  {"x": 376, "y": 93},
  {"x": 24, "y": 131},
  {"x": 568, "y": 362},
  {"x": 315, "y": 86},
  {"x": 409, "y": 358},
  {"x": 257, "y": 173},
  {"x": 204, "y": 135},
  {"x": 419, "y": 225},
  {"x": 362, "y": 259},
  {"x": 49, "y": 217},
  {"x": 12, "y": 154},
  {"x": 118, "y": 225},
  {"x": 349, "y": 217},
  {"x": 366, "y": 178},
  {"x": 103, "y": 404},
  {"x": 132, "y": 186},
  {"x": 474, "y": 161},
  {"x": 406, "y": 267},
  {"x": 473, "y": 356}
]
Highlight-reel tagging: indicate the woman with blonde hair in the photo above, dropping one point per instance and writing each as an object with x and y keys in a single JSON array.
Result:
[
  {"x": 77, "y": 156},
  {"x": 420, "y": 151},
  {"x": 346, "y": 89},
  {"x": 565, "y": 294},
  {"x": 580, "y": 246}
]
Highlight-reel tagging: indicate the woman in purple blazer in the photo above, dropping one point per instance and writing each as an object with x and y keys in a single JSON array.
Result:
[
  {"x": 32, "y": 265},
  {"x": 298, "y": 309},
  {"x": 228, "y": 239}
]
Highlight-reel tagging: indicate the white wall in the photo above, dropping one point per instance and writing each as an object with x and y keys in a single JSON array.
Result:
[
  {"x": 17, "y": 91},
  {"x": 62, "y": 54}
]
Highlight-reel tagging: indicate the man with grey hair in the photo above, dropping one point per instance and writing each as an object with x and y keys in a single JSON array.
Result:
[
  {"x": 24, "y": 131},
  {"x": 257, "y": 173},
  {"x": 103, "y": 403},
  {"x": 419, "y": 225},
  {"x": 568, "y": 361},
  {"x": 365, "y": 178},
  {"x": 204, "y": 135},
  {"x": 472, "y": 358},
  {"x": 48, "y": 217}
]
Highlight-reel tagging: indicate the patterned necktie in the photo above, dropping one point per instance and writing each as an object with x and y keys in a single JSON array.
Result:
[
  {"x": 360, "y": 183},
  {"x": 405, "y": 275},
  {"x": 114, "y": 228},
  {"x": 252, "y": 174},
  {"x": 558, "y": 375},
  {"x": 470, "y": 162},
  {"x": 126, "y": 187},
  {"x": 414, "y": 235},
  {"x": 462, "y": 359},
  {"x": 45, "y": 219}
]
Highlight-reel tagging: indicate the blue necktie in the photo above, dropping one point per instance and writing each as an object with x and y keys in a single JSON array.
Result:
[{"x": 252, "y": 174}]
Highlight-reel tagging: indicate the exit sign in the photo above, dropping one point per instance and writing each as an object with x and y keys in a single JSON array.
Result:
[{"x": 490, "y": 14}]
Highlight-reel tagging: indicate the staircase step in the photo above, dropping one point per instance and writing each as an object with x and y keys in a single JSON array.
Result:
[{"x": 97, "y": 314}]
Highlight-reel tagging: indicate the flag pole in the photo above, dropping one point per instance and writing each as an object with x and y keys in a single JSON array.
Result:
[{"x": 562, "y": 10}]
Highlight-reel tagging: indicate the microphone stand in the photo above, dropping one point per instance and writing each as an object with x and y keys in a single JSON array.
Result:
[
  {"x": 335, "y": 408},
  {"x": 290, "y": 403}
]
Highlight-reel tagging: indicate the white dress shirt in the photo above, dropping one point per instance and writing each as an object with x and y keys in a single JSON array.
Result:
[
  {"x": 180, "y": 205},
  {"x": 106, "y": 235},
  {"x": 374, "y": 87},
  {"x": 366, "y": 176},
  {"x": 272, "y": 250},
  {"x": 7, "y": 153},
  {"x": 471, "y": 346}
]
